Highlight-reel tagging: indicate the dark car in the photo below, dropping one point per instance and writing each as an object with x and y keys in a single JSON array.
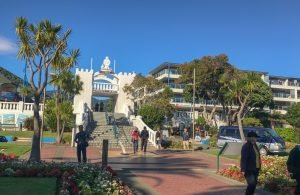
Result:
[
  {"x": 268, "y": 140},
  {"x": 3, "y": 138}
]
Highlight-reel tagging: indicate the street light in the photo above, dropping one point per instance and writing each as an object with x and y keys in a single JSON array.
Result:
[
  {"x": 194, "y": 109},
  {"x": 193, "y": 117}
]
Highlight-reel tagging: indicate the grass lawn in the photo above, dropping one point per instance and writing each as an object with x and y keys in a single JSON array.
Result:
[
  {"x": 215, "y": 151},
  {"x": 17, "y": 149},
  {"x": 29, "y": 134},
  {"x": 27, "y": 185}
]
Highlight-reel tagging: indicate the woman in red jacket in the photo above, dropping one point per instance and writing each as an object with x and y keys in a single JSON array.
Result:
[{"x": 135, "y": 134}]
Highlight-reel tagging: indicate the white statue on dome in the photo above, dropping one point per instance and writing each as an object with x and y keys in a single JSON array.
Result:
[{"x": 105, "y": 64}]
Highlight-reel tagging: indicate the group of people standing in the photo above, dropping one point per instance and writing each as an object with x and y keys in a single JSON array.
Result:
[{"x": 144, "y": 136}]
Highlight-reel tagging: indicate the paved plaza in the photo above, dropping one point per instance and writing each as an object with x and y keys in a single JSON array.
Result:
[{"x": 160, "y": 172}]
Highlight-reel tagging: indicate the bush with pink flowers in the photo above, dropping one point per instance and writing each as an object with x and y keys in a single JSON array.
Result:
[
  {"x": 73, "y": 178},
  {"x": 273, "y": 175}
]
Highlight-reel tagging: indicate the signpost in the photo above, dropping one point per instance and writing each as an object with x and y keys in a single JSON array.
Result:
[{"x": 230, "y": 148}]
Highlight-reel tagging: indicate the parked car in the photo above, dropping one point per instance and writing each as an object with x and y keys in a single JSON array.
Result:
[
  {"x": 268, "y": 140},
  {"x": 3, "y": 138}
]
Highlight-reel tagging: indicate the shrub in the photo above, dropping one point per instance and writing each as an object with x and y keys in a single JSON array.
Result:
[
  {"x": 67, "y": 139},
  {"x": 213, "y": 140},
  {"x": 251, "y": 122},
  {"x": 151, "y": 115},
  {"x": 273, "y": 175},
  {"x": 28, "y": 123},
  {"x": 288, "y": 134}
]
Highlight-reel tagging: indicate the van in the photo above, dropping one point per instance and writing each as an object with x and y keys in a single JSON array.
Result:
[{"x": 268, "y": 141}]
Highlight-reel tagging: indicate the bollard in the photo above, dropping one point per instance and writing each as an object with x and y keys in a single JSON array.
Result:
[{"x": 104, "y": 153}]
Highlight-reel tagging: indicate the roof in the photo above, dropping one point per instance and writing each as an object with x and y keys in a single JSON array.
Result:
[
  {"x": 163, "y": 66},
  {"x": 9, "y": 76}
]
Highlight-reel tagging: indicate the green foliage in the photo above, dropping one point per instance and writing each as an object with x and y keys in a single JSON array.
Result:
[
  {"x": 201, "y": 121},
  {"x": 293, "y": 118},
  {"x": 288, "y": 134},
  {"x": 50, "y": 115},
  {"x": 161, "y": 101},
  {"x": 151, "y": 115},
  {"x": 213, "y": 140},
  {"x": 293, "y": 115},
  {"x": 67, "y": 139},
  {"x": 251, "y": 122},
  {"x": 65, "y": 110}
]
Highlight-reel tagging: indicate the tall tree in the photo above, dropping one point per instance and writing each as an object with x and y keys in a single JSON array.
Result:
[
  {"x": 152, "y": 93},
  {"x": 209, "y": 70},
  {"x": 40, "y": 45},
  {"x": 246, "y": 90}
]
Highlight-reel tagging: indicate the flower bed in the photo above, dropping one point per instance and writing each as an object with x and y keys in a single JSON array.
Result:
[
  {"x": 273, "y": 176},
  {"x": 72, "y": 178}
]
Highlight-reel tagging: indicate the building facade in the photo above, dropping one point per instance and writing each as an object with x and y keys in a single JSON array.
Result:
[{"x": 285, "y": 90}]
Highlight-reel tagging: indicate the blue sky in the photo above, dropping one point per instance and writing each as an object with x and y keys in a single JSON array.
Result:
[{"x": 142, "y": 34}]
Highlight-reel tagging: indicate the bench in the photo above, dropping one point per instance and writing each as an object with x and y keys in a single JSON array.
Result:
[{"x": 5, "y": 127}]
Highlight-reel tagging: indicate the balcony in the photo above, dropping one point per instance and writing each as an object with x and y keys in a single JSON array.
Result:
[
  {"x": 283, "y": 95},
  {"x": 276, "y": 82},
  {"x": 105, "y": 88},
  {"x": 176, "y": 86},
  {"x": 278, "y": 107}
]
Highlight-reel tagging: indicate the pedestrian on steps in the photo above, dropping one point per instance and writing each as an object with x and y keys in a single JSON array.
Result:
[
  {"x": 144, "y": 137},
  {"x": 135, "y": 134}
]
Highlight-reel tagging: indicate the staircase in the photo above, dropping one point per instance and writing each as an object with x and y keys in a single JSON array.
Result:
[{"x": 103, "y": 127}]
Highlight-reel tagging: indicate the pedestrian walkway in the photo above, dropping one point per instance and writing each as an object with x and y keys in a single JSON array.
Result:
[{"x": 160, "y": 172}]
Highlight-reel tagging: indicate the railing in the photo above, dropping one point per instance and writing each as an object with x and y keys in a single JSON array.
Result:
[
  {"x": 283, "y": 95},
  {"x": 293, "y": 84},
  {"x": 139, "y": 123},
  {"x": 9, "y": 105},
  {"x": 276, "y": 82},
  {"x": 108, "y": 87},
  {"x": 277, "y": 107},
  {"x": 177, "y": 86},
  {"x": 18, "y": 106}
]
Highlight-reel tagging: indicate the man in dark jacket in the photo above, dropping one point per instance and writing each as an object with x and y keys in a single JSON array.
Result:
[
  {"x": 250, "y": 162},
  {"x": 144, "y": 137},
  {"x": 293, "y": 165},
  {"x": 81, "y": 140}
]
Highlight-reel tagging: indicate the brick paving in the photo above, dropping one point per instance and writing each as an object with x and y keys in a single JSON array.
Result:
[{"x": 160, "y": 172}]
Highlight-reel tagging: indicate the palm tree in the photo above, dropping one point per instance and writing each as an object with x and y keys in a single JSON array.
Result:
[
  {"x": 40, "y": 45},
  {"x": 67, "y": 85}
]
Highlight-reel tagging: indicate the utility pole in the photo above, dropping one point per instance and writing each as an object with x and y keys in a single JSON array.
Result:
[{"x": 194, "y": 89}]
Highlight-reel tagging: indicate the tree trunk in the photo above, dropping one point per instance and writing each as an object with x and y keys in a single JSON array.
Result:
[
  {"x": 62, "y": 132},
  {"x": 35, "y": 154},
  {"x": 57, "y": 116},
  {"x": 239, "y": 120}
]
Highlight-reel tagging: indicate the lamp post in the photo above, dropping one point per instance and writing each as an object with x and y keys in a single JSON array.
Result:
[{"x": 193, "y": 118}]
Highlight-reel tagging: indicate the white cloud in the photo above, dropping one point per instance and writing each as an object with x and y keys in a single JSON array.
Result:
[{"x": 7, "y": 46}]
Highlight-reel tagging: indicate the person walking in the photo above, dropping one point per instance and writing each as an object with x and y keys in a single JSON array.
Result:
[
  {"x": 293, "y": 165},
  {"x": 81, "y": 140},
  {"x": 135, "y": 134},
  {"x": 144, "y": 137},
  {"x": 185, "y": 139},
  {"x": 158, "y": 139},
  {"x": 250, "y": 162}
]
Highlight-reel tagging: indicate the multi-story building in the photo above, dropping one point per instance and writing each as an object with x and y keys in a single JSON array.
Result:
[{"x": 286, "y": 90}]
